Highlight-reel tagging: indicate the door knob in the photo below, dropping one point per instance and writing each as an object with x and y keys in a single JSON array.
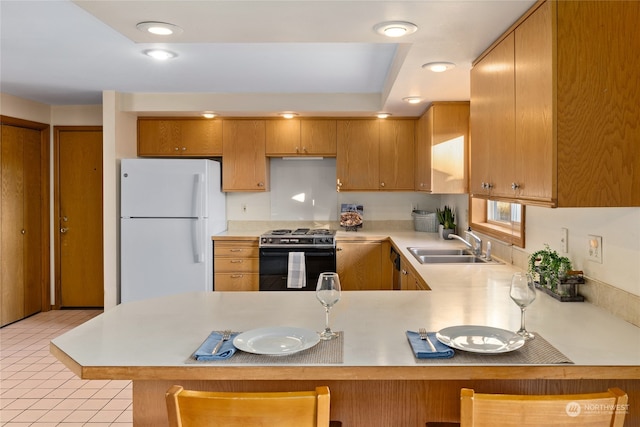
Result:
[{"x": 63, "y": 230}]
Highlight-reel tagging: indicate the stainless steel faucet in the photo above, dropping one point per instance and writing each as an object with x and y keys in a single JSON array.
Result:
[{"x": 476, "y": 248}]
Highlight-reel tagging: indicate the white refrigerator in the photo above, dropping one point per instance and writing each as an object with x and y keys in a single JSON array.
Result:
[{"x": 169, "y": 209}]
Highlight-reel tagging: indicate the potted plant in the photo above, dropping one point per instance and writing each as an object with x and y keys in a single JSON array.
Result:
[
  {"x": 446, "y": 218},
  {"x": 553, "y": 274}
]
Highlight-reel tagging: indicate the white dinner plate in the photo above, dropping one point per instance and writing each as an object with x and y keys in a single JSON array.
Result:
[
  {"x": 278, "y": 340},
  {"x": 480, "y": 339}
]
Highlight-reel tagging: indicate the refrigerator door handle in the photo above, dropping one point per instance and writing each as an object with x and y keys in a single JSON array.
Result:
[
  {"x": 198, "y": 195},
  {"x": 198, "y": 229}
]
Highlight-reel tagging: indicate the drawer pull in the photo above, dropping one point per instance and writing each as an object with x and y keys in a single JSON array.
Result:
[
  {"x": 237, "y": 276},
  {"x": 236, "y": 261},
  {"x": 235, "y": 250}
]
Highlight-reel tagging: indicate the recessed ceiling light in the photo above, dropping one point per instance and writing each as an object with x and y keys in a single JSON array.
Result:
[
  {"x": 383, "y": 115},
  {"x": 288, "y": 115},
  {"x": 208, "y": 115},
  {"x": 395, "y": 28},
  {"x": 439, "y": 67},
  {"x": 412, "y": 99},
  {"x": 158, "y": 28},
  {"x": 160, "y": 54}
]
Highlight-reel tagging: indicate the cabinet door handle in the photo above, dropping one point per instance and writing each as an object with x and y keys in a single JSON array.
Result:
[
  {"x": 404, "y": 272},
  {"x": 184, "y": 148},
  {"x": 63, "y": 230},
  {"x": 23, "y": 231},
  {"x": 338, "y": 249},
  {"x": 261, "y": 184},
  {"x": 515, "y": 186},
  {"x": 382, "y": 184},
  {"x": 176, "y": 148}
]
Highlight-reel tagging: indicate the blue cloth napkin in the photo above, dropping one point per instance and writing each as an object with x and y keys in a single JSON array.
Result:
[
  {"x": 227, "y": 349},
  {"x": 422, "y": 350}
]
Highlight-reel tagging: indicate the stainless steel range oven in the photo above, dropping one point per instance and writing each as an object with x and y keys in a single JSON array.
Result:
[{"x": 317, "y": 247}]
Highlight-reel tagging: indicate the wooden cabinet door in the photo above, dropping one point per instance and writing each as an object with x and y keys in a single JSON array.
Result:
[
  {"x": 422, "y": 152},
  {"x": 245, "y": 165},
  {"x": 396, "y": 154},
  {"x": 318, "y": 137},
  {"x": 179, "y": 137},
  {"x": 449, "y": 147},
  {"x": 363, "y": 266},
  {"x": 357, "y": 158},
  {"x": 535, "y": 160},
  {"x": 492, "y": 121},
  {"x": 283, "y": 137}
]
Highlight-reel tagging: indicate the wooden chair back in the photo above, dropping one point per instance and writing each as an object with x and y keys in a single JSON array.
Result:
[
  {"x": 189, "y": 408},
  {"x": 606, "y": 409}
]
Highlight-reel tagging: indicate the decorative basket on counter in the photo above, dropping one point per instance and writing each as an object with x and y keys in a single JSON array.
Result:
[
  {"x": 424, "y": 221},
  {"x": 564, "y": 289}
]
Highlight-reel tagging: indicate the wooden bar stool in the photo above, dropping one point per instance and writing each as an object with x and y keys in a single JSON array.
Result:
[{"x": 189, "y": 408}]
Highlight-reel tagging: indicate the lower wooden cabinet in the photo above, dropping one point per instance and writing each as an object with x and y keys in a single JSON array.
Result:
[
  {"x": 236, "y": 265},
  {"x": 364, "y": 265},
  {"x": 411, "y": 280}
]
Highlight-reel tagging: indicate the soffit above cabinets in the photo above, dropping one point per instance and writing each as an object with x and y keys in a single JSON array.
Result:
[{"x": 315, "y": 53}]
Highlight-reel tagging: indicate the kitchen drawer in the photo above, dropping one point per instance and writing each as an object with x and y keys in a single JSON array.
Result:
[
  {"x": 235, "y": 251},
  {"x": 236, "y": 282},
  {"x": 239, "y": 265}
]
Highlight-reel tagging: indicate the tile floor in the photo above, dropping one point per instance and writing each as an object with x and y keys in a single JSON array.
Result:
[{"x": 36, "y": 390}]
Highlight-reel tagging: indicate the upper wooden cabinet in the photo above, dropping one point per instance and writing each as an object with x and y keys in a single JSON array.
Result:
[
  {"x": 492, "y": 121},
  {"x": 194, "y": 137},
  {"x": 245, "y": 166},
  {"x": 567, "y": 136},
  {"x": 301, "y": 137},
  {"x": 375, "y": 154},
  {"x": 441, "y": 148},
  {"x": 397, "y": 138}
]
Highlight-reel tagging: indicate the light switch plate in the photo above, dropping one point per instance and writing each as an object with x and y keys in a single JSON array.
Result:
[
  {"x": 564, "y": 240},
  {"x": 594, "y": 248}
]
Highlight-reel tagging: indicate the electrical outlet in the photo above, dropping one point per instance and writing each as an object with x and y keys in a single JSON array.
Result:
[
  {"x": 594, "y": 248},
  {"x": 564, "y": 240}
]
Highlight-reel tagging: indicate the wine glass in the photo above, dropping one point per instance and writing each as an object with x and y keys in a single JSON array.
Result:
[
  {"x": 523, "y": 292},
  {"x": 328, "y": 293}
]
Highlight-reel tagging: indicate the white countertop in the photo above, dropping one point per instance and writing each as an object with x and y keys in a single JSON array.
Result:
[{"x": 163, "y": 332}]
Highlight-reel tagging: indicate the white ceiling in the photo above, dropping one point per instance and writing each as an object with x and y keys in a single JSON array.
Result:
[{"x": 248, "y": 57}]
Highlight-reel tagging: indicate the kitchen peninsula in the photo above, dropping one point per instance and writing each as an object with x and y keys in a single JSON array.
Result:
[{"x": 378, "y": 382}]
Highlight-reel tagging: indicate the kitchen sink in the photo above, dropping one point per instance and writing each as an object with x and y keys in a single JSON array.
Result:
[
  {"x": 448, "y": 256},
  {"x": 427, "y": 252}
]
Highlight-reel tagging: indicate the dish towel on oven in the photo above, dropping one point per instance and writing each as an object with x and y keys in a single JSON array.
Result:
[{"x": 296, "y": 272}]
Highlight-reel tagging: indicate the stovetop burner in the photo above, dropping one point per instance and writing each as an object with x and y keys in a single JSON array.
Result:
[{"x": 300, "y": 237}]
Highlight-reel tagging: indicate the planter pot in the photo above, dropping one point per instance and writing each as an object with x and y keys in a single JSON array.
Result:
[{"x": 446, "y": 232}]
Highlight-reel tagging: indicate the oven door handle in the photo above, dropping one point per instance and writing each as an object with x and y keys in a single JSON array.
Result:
[{"x": 306, "y": 254}]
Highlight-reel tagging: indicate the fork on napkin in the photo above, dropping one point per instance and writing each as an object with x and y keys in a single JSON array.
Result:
[
  {"x": 422, "y": 350},
  {"x": 226, "y": 350}
]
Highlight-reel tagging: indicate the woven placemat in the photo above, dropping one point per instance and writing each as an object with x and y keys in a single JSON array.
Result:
[
  {"x": 537, "y": 351},
  {"x": 325, "y": 352}
]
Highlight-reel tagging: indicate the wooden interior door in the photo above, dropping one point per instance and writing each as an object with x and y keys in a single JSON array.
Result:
[
  {"x": 79, "y": 260},
  {"x": 11, "y": 255},
  {"x": 24, "y": 220},
  {"x": 34, "y": 213}
]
